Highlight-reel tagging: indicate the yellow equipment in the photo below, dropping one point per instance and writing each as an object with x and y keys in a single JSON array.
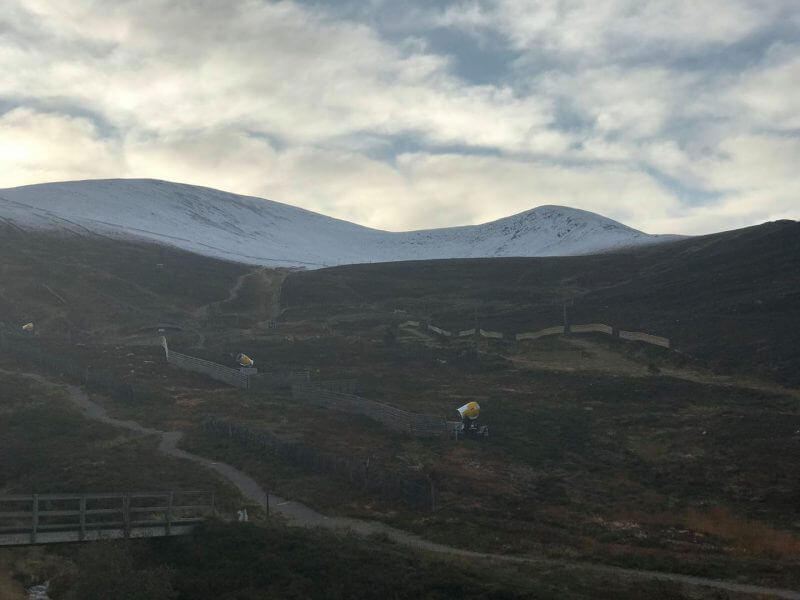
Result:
[
  {"x": 244, "y": 360},
  {"x": 470, "y": 410},
  {"x": 469, "y": 421}
]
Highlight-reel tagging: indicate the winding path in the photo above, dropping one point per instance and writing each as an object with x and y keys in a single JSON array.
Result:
[
  {"x": 233, "y": 294},
  {"x": 299, "y": 515}
]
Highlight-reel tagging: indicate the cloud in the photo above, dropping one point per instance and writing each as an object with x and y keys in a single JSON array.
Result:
[
  {"x": 768, "y": 93},
  {"x": 491, "y": 186},
  {"x": 41, "y": 146},
  {"x": 591, "y": 32},
  {"x": 272, "y": 67},
  {"x": 420, "y": 190},
  {"x": 671, "y": 117}
]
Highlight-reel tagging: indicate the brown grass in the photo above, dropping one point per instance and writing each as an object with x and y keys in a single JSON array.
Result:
[
  {"x": 10, "y": 589},
  {"x": 746, "y": 535}
]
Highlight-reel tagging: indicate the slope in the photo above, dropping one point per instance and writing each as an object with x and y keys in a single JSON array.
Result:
[
  {"x": 83, "y": 286},
  {"x": 730, "y": 298},
  {"x": 593, "y": 464},
  {"x": 258, "y": 231}
]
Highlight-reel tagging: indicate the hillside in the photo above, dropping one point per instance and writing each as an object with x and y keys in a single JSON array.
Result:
[
  {"x": 601, "y": 450},
  {"x": 731, "y": 299},
  {"x": 257, "y": 231},
  {"x": 84, "y": 287}
]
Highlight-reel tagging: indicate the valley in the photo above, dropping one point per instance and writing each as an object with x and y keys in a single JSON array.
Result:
[{"x": 681, "y": 460}]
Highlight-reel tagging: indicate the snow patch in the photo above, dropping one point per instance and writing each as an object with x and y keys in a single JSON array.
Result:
[{"x": 258, "y": 231}]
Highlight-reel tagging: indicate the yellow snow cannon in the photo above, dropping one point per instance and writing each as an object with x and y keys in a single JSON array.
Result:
[
  {"x": 244, "y": 360},
  {"x": 470, "y": 410},
  {"x": 469, "y": 421}
]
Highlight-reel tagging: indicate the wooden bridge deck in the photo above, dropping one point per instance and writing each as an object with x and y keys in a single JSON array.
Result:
[{"x": 58, "y": 518}]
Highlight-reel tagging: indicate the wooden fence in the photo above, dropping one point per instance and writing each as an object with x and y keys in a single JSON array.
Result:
[
  {"x": 535, "y": 335},
  {"x": 359, "y": 473},
  {"x": 341, "y": 386},
  {"x": 56, "y": 518},
  {"x": 638, "y": 336},
  {"x": 278, "y": 378},
  {"x": 242, "y": 378},
  {"x": 214, "y": 370},
  {"x": 498, "y": 335},
  {"x": 439, "y": 330},
  {"x": 394, "y": 418},
  {"x": 592, "y": 328}
]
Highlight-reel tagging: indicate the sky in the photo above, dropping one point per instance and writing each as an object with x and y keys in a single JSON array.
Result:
[{"x": 672, "y": 116}]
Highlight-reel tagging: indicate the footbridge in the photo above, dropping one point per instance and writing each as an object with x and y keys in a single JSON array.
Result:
[{"x": 56, "y": 518}]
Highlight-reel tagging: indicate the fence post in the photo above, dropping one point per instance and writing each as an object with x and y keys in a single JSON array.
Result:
[
  {"x": 168, "y": 528},
  {"x": 35, "y": 518},
  {"x": 83, "y": 518},
  {"x": 126, "y": 514}
]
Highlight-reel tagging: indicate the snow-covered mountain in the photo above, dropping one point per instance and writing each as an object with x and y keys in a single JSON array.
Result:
[{"x": 258, "y": 231}]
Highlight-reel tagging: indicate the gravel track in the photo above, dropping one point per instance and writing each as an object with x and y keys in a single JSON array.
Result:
[{"x": 300, "y": 515}]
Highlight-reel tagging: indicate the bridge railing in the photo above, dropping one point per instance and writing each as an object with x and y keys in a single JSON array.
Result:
[{"x": 51, "y": 518}]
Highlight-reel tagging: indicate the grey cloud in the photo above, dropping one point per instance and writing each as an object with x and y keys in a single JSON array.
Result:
[
  {"x": 63, "y": 106},
  {"x": 386, "y": 112}
]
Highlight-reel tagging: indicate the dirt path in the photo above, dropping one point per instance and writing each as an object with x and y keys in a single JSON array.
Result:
[
  {"x": 233, "y": 294},
  {"x": 273, "y": 282},
  {"x": 275, "y": 294},
  {"x": 300, "y": 515},
  {"x": 169, "y": 439},
  {"x": 731, "y": 381}
]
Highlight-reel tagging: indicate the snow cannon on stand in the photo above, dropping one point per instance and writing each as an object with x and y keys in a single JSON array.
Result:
[
  {"x": 244, "y": 361},
  {"x": 470, "y": 411},
  {"x": 469, "y": 420},
  {"x": 28, "y": 328}
]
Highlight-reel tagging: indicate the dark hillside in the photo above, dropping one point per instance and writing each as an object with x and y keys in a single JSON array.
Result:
[
  {"x": 600, "y": 449},
  {"x": 731, "y": 298},
  {"x": 78, "y": 286}
]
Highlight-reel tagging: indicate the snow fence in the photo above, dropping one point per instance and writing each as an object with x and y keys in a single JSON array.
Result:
[
  {"x": 392, "y": 417},
  {"x": 535, "y": 335},
  {"x": 206, "y": 367},
  {"x": 637, "y": 336}
]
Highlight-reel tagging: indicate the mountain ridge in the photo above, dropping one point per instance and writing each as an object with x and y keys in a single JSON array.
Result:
[{"x": 259, "y": 231}]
